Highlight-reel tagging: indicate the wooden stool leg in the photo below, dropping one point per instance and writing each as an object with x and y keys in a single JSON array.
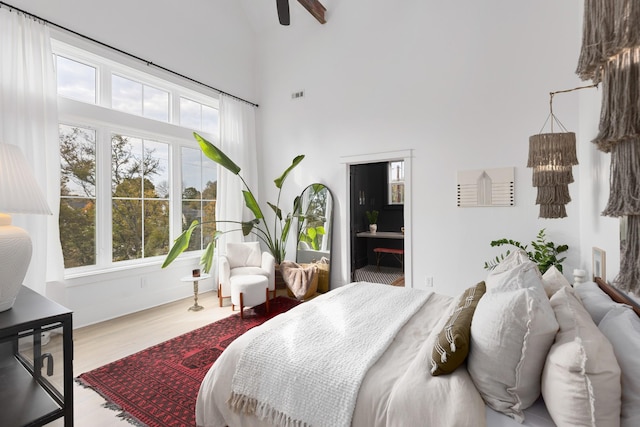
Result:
[
  {"x": 241, "y": 307},
  {"x": 220, "y": 295}
]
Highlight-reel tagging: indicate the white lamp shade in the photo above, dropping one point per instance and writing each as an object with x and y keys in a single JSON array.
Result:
[{"x": 19, "y": 191}]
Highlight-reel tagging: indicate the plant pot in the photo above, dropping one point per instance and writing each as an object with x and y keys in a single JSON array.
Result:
[
  {"x": 373, "y": 228},
  {"x": 279, "y": 282}
]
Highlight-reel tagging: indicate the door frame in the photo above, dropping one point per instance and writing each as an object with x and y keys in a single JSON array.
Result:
[{"x": 386, "y": 156}]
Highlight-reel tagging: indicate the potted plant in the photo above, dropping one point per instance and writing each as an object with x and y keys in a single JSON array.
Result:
[
  {"x": 545, "y": 254},
  {"x": 372, "y": 217},
  {"x": 275, "y": 238}
]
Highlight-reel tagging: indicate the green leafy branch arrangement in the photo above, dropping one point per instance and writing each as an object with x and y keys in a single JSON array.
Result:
[{"x": 545, "y": 254}]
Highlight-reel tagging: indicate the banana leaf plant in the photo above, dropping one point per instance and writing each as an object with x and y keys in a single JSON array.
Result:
[{"x": 275, "y": 239}]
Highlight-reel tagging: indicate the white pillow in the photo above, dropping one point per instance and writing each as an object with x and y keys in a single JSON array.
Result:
[
  {"x": 513, "y": 272},
  {"x": 581, "y": 376},
  {"x": 244, "y": 254},
  {"x": 512, "y": 330},
  {"x": 553, "y": 280},
  {"x": 621, "y": 326},
  {"x": 595, "y": 300}
]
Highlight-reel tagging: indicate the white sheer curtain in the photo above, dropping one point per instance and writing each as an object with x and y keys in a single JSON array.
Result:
[
  {"x": 238, "y": 142},
  {"x": 29, "y": 119}
]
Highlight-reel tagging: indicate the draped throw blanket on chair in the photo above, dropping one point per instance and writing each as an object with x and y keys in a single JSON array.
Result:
[
  {"x": 302, "y": 280},
  {"x": 610, "y": 55}
]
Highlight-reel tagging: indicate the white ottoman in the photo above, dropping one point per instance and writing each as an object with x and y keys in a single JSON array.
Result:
[{"x": 249, "y": 290}]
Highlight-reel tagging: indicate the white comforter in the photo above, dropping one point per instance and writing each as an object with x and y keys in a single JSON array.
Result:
[
  {"x": 398, "y": 389},
  {"x": 262, "y": 383}
]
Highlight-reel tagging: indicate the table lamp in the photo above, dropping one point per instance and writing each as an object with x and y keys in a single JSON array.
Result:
[{"x": 20, "y": 194}]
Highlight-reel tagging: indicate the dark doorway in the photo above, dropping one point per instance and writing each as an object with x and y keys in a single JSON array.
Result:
[{"x": 369, "y": 189}]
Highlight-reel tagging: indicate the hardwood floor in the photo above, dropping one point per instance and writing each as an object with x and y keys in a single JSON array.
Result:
[{"x": 102, "y": 343}]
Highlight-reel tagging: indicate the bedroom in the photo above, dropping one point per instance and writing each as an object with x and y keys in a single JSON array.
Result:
[
  {"x": 462, "y": 85},
  {"x": 374, "y": 82}
]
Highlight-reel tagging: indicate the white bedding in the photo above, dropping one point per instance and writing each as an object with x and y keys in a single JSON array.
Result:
[
  {"x": 262, "y": 382},
  {"x": 398, "y": 389}
]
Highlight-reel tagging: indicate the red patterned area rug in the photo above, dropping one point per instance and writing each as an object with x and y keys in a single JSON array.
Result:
[{"x": 157, "y": 387}]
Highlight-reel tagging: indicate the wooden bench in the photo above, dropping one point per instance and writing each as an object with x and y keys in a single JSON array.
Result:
[{"x": 397, "y": 253}]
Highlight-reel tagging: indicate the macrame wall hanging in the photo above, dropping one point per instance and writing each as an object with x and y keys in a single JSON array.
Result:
[
  {"x": 610, "y": 55},
  {"x": 552, "y": 157}
]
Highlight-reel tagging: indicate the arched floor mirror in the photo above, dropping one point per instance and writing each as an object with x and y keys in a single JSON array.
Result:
[{"x": 314, "y": 231}]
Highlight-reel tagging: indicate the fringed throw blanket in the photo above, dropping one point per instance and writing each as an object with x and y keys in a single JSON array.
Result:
[
  {"x": 309, "y": 370},
  {"x": 299, "y": 278}
]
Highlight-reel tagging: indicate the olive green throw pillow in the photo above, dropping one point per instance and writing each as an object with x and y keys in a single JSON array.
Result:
[{"x": 452, "y": 344}]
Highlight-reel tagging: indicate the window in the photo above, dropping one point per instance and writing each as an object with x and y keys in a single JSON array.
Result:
[
  {"x": 198, "y": 116},
  {"x": 396, "y": 182},
  {"x": 140, "y": 198},
  {"x": 129, "y": 183},
  {"x": 199, "y": 190},
  {"x": 134, "y": 97},
  {"x": 76, "y": 80},
  {"x": 78, "y": 196}
]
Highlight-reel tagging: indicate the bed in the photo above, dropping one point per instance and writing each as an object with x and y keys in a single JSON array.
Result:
[{"x": 405, "y": 380}]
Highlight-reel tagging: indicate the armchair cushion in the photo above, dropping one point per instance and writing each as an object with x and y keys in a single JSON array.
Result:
[
  {"x": 244, "y": 254},
  {"x": 249, "y": 271}
]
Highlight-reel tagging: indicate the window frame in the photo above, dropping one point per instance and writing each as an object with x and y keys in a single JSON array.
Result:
[
  {"x": 106, "y": 121},
  {"x": 391, "y": 182}
]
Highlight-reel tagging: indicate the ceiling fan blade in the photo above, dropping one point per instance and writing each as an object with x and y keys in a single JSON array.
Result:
[{"x": 283, "y": 12}]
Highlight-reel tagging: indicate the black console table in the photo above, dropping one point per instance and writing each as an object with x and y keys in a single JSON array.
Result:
[{"x": 27, "y": 397}]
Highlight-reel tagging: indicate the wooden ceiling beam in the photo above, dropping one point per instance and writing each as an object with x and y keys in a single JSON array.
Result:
[{"x": 315, "y": 8}]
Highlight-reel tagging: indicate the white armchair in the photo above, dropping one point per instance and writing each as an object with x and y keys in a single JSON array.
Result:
[{"x": 244, "y": 259}]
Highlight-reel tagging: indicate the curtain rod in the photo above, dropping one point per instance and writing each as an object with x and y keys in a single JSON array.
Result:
[{"x": 149, "y": 63}]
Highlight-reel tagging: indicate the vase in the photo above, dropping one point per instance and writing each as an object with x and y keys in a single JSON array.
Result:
[{"x": 373, "y": 228}]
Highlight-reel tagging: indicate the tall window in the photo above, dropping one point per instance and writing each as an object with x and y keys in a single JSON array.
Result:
[
  {"x": 140, "y": 198},
  {"x": 199, "y": 190},
  {"x": 128, "y": 178},
  {"x": 78, "y": 196}
]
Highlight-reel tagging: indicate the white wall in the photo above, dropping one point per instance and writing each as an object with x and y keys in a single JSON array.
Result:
[{"x": 463, "y": 84}]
